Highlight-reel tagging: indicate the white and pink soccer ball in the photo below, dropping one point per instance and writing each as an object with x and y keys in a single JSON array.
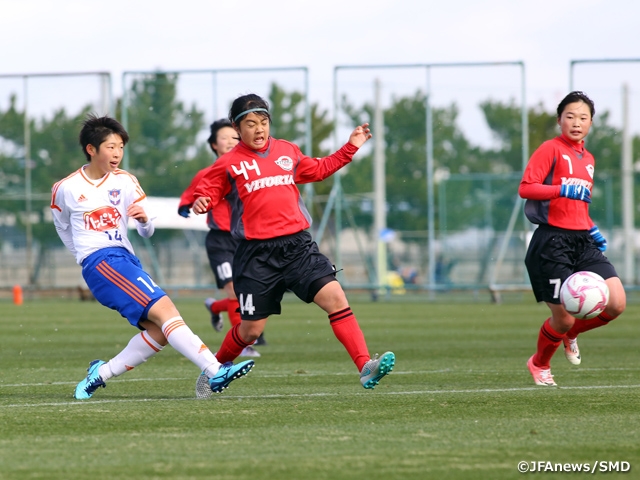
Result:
[{"x": 584, "y": 295}]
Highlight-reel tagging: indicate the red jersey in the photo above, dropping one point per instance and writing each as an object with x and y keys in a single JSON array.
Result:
[
  {"x": 219, "y": 217},
  {"x": 557, "y": 162},
  {"x": 261, "y": 186}
]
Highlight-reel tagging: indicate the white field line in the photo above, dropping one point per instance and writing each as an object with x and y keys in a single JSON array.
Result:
[
  {"x": 287, "y": 375},
  {"x": 326, "y": 394}
]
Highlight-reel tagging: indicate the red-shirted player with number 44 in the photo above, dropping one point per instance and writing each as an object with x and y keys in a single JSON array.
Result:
[
  {"x": 219, "y": 243},
  {"x": 258, "y": 178},
  {"x": 557, "y": 184}
]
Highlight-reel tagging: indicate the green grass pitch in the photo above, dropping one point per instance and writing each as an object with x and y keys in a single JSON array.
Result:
[{"x": 460, "y": 403}]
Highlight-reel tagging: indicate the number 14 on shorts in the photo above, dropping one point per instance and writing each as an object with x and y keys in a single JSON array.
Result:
[{"x": 246, "y": 304}]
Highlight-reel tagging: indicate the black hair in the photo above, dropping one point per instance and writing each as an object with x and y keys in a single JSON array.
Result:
[
  {"x": 573, "y": 97},
  {"x": 215, "y": 127},
  {"x": 95, "y": 130},
  {"x": 248, "y": 102}
]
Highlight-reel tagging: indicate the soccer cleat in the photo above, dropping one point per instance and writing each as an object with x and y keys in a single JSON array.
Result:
[
  {"x": 540, "y": 375},
  {"x": 571, "y": 350},
  {"x": 249, "y": 352},
  {"x": 228, "y": 373},
  {"x": 203, "y": 390},
  {"x": 376, "y": 368},
  {"x": 216, "y": 318},
  {"x": 87, "y": 386}
]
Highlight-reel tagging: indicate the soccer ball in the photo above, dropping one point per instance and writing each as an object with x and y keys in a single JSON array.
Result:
[{"x": 584, "y": 295}]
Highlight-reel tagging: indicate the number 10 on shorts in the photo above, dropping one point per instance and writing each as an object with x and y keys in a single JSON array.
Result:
[{"x": 224, "y": 271}]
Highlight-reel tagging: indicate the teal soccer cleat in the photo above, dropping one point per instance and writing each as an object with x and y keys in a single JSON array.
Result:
[
  {"x": 228, "y": 373},
  {"x": 87, "y": 386},
  {"x": 376, "y": 368}
]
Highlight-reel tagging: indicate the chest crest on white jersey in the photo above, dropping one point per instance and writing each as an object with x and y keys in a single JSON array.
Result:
[
  {"x": 114, "y": 196},
  {"x": 285, "y": 163}
]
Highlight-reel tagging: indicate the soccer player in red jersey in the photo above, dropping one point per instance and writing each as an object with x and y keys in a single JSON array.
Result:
[
  {"x": 219, "y": 243},
  {"x": 259, "y": 178},
  {"x": 557, "y": 185}
]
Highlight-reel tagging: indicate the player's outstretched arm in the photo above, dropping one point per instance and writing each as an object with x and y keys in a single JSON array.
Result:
[{"x": 360, "y": 135}]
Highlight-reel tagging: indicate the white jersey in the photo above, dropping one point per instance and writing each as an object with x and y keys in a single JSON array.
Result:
[{"x": 90, "y": 215}]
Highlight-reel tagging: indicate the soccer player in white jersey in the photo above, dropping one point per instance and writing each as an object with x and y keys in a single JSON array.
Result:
[{"x": 91, "y": 208}]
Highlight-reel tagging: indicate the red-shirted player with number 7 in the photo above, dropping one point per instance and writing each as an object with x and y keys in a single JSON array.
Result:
[
  {"x": 557, "y": 184},
  {"x": 258, "y": 178}
]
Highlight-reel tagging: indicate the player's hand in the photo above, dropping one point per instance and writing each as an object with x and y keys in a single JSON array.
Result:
[
  {"x": 598, "y": 238},
  {"x": 201, "y": 205},
  {"x": 360, "y": 135},
  {"x": 184, "y": 211},
  {"x": 136, "y": 212},
  {"x": 576, "y": 192}
]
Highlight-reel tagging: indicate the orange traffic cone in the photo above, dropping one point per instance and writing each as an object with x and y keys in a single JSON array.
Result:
[{"x": 17, "y": 295}]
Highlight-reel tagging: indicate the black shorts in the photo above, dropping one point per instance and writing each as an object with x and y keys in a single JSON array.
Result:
[
  {"x": 265, "y": 269},
  {"x": 555, "y": 253},
  {"x": 221, "y": 247}
]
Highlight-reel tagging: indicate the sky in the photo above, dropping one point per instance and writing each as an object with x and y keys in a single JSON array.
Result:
[{"x": 40, "y": 36}]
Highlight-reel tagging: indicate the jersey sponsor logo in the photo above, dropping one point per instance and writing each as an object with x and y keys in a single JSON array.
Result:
[
  {"x": 114, "y": 196},
  {"x": 285, "y": 163},
  {"x": 268, "y": 182},
  {"x": 102, "y": 219},
  {"x": 576, "y": 181}
]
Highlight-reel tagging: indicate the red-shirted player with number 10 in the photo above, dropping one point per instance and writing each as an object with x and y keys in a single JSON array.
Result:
[
  {"x": 258, "y": 177},
  {"x": 557, "y": 184}
]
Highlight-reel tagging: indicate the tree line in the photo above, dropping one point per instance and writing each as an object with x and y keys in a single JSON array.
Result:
[{"x": 165, "y": 152}]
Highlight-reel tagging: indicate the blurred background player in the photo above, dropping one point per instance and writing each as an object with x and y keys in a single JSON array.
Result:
[
  {"x": 557, "y": 184},
  {"x": 91, "y": 208},
  {"x": 219, "y": 243},
  {"x": 276, "y": 253}
]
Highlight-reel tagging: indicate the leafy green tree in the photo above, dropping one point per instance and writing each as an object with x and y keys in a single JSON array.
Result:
[
  {"x": 12, "y": 151},
  {"x": 505, "y": 122},
  {"x": 56, "y": 151},
  {"x": 54, "y": 154},
  {"x": 163, "y": 152},
  {"x": 405, "y": 140}
]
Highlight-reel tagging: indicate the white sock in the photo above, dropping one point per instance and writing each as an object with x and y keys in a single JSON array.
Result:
[
  {"x": 180, "y": 337},
  {"x": 140, "y": 349}
]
